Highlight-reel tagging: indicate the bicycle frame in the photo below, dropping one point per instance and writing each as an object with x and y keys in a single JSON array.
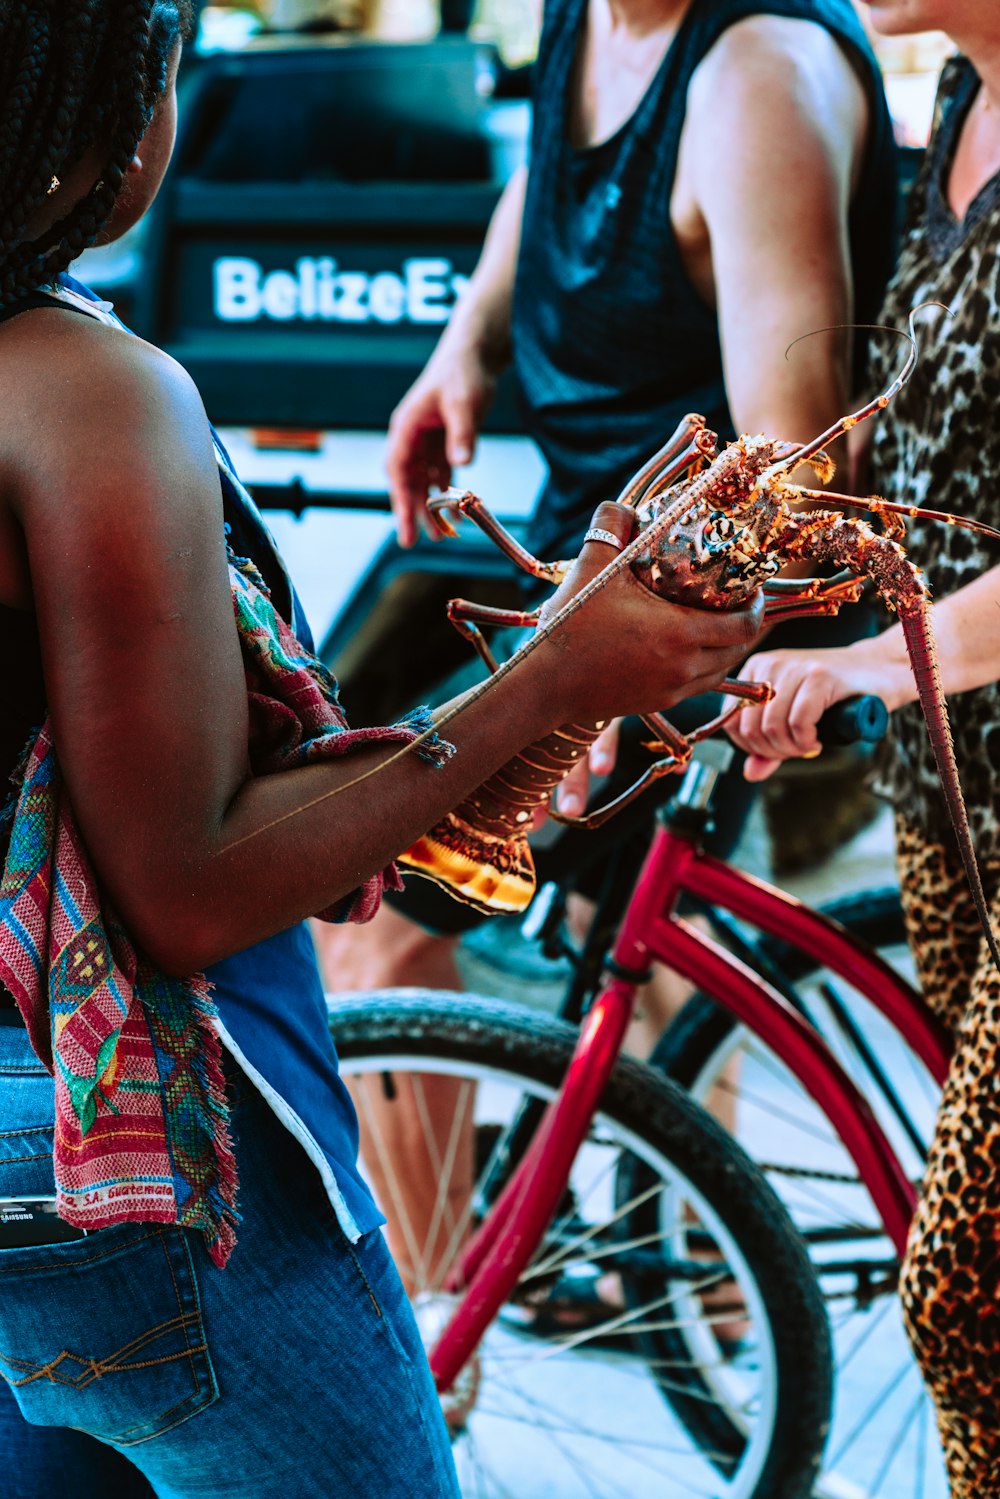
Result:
[{"x": 675, "y": 865}]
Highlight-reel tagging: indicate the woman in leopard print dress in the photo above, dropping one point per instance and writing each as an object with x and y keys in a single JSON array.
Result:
[{"x": 938, "y": 444}]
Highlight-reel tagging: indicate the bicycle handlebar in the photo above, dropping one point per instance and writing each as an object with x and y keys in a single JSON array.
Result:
[{"x": 855, "y": 720}]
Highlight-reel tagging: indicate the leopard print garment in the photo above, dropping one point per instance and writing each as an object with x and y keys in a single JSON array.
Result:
[
  {"x": 939, "y": 445},
  {"x": 950, "y": 1281}
]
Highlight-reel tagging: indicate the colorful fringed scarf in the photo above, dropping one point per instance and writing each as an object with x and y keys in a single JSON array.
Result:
[{"x": 141, "y": 1116}]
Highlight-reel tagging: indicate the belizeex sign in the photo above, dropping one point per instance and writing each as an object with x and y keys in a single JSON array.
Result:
[{"x": 321, "y": 289}]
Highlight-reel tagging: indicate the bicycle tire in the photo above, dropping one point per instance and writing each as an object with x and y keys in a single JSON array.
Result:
[
  {"x": 694, "y": 1051},
  {"x": 661, "y": 1124}
]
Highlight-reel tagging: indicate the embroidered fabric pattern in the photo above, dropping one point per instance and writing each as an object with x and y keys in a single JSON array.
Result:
[{"x": 141, "y": 1114}]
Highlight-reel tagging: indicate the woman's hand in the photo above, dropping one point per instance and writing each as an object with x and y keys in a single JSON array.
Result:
[
  {"x": 627, "y": 651},
  {"x": 805, "y": 684},
  {"x": 432, "y": 431}
]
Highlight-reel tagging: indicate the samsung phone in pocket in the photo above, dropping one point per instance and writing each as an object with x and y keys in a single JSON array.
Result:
[{"x": 26, "y": 1221}]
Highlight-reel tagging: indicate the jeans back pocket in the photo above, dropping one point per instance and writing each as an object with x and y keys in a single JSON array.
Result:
[{"x": 105, "y": 1333}]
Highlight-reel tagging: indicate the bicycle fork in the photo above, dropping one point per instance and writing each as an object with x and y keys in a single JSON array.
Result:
[{"x": 501, "y": 1248}]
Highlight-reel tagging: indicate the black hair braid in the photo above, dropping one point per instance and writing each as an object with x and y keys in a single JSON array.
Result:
[
  {"x": 46, "y": 129},
  {"x": 21, "y": 79},
  {"x": 74, "y": 74}
]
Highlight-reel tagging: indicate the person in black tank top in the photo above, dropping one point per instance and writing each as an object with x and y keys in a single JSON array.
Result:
[
  {"x": 709, "y": 180},
  {"x": 613, "y": 337}
]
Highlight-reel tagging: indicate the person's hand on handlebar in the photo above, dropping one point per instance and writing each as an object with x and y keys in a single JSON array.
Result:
[{"x": 806, "y": 683}]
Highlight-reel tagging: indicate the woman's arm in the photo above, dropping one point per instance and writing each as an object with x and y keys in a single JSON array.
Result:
[
  {"x": 118, "y": 495},
  {"x": 435, "y": 426}
]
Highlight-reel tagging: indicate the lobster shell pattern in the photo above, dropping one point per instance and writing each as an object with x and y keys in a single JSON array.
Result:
[{"x": 479, "y": 852}]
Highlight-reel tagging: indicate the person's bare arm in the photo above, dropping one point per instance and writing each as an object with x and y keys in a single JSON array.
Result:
[
  {"x": 120, "y": 504},
  {"x": 806, "y": 683},
  {"x": 775, "y": 123},
  {"x": 774, "y": 126},
  {"x": 435, "y": 426}
]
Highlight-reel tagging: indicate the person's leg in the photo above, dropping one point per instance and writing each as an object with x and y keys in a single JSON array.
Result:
[
  {"x": 409, "y": 1129},
  {"x": 40, "y": 1462},
  {"x": 296, "y": 1370},
  {"x": 950, "y": 1282}
]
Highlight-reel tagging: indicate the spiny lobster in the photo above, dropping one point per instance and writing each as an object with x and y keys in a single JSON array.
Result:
[{"x": 712, "y": 528}]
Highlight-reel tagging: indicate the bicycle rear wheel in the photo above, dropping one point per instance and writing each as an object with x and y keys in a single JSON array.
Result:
[
  {"x": 666, "y": 1212},
  {"x": 884, "y": 1438}
]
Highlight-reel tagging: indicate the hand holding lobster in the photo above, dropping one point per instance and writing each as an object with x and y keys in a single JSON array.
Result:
[{"x": 712, "y": 529}]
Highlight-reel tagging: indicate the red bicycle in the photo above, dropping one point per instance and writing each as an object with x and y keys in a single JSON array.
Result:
[{"x": 692, "y": 1354}]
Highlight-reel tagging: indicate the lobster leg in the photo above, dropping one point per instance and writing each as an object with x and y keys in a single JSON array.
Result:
[
  {"x": 673, "y": 742},
  {"x": 689, "y": 444},
  {"x": 467, "y": 618},
  {"x": 814, "y": 598},
  {"x": 744, "y": 692},
  {"x": 821, "y": 463},
  {"x": 678, "y": 748},
  {"x": 469, "y": 504},
  {"x": 666, "y": 466},
  {"x": 670, "y": 765},
  {"x": 889, "y": 508},
  {"x": 853, "y": 544},
  {"x": 802, "y": 587}
]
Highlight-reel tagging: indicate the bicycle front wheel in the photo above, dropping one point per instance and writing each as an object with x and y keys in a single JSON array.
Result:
[
  {"x": 884, "y": 1435},
  {"x": 701, "y": 1365}
]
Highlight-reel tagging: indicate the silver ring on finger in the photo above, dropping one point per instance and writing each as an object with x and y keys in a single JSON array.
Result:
[{"x": 597, "y": 533}]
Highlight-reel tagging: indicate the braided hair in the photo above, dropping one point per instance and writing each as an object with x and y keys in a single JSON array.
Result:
[{"x": 74, "y": 75}]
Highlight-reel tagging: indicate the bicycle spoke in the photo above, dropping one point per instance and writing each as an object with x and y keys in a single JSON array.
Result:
[
  {"x": 557, "y": 1260},
  {"x": 767, "y": 1106},
  {"x": 619, "y": 1247},
  {"x": 559, "y": 1224},
  {"x": 623, "y": 1320},
  {"x": 629, "y": 1447},
  {"x": 818, "y": 1200},
  {"x": 385, "y": 1161},
  {"x": 896, "y": 1444},
  {"x": 922, "y": 1448},
  {"x": 554, "y": 1433},
  {"x": 443, "y": 1166},
  {"x": 872, "y": 1324},
  {"x": 884, "y": 1395},
  {"x": 666, "y": 1406}
]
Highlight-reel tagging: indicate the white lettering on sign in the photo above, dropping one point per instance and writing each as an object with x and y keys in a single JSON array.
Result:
[{"x": 317, "y": 290}]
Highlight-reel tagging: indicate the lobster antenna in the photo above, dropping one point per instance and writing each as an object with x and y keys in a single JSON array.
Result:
[{"x": 880, "y": 402}]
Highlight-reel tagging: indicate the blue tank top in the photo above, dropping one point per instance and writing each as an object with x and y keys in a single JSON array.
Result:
[{"x": 612, "y": 343}]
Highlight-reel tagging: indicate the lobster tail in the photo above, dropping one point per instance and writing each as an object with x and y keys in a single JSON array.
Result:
[{"x": 479, "y": 853}]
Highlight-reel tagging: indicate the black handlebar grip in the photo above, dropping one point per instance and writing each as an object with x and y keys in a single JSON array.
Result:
[{"x": 854, "y": 720}]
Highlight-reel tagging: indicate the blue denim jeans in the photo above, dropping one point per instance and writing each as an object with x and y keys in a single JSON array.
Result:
[{"x": 295, "y": 1373}]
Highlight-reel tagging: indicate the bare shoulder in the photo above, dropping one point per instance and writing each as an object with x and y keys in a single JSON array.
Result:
[
  {"x": 93, "y": 402},
  {"x": 779, "y": 69}
]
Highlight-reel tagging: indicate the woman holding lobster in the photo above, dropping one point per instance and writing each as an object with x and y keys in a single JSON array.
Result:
[{"x": 153, "y": 960}]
